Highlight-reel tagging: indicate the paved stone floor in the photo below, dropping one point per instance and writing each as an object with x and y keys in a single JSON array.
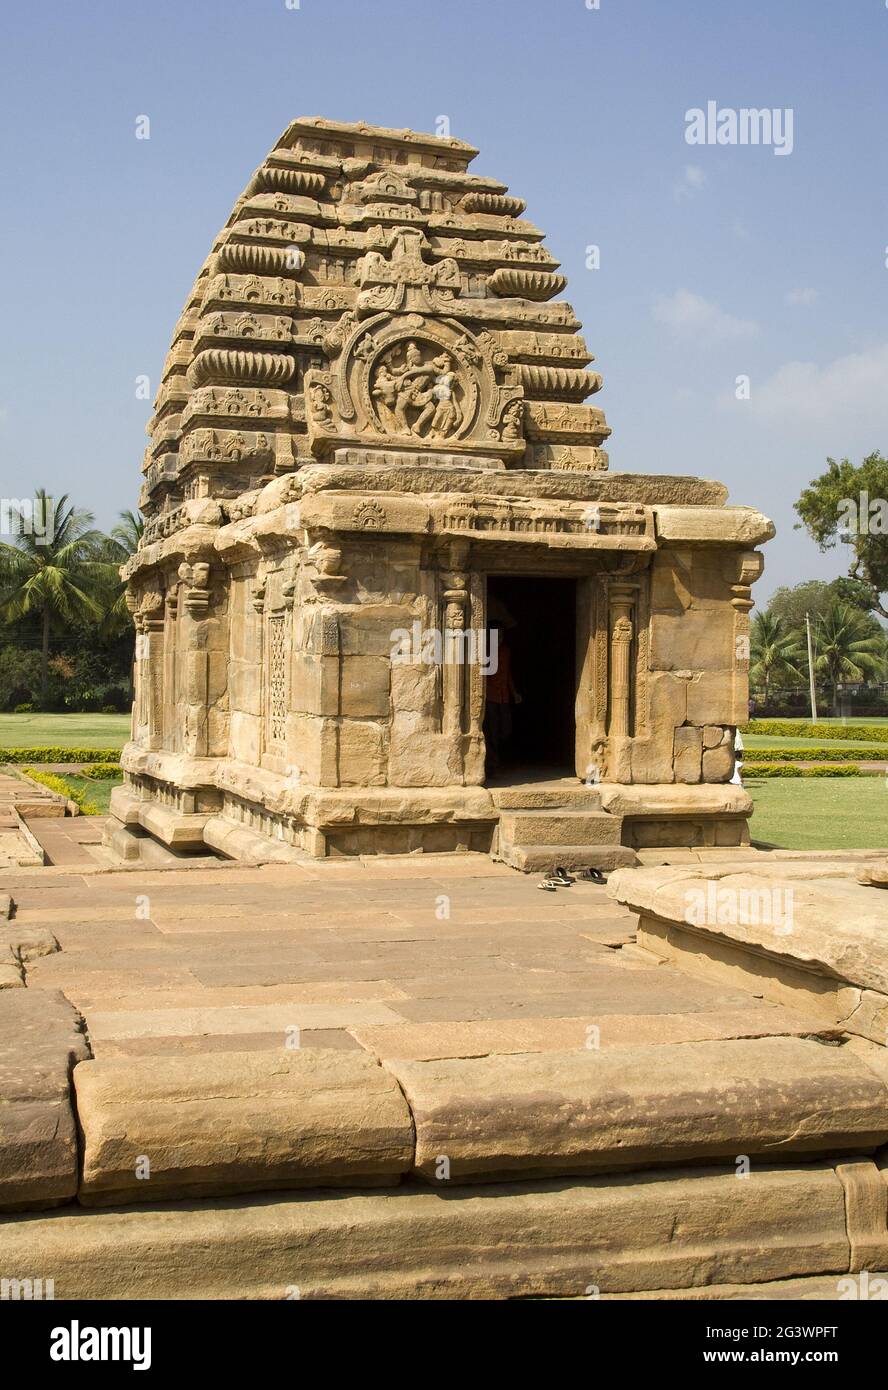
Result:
[
  {"x": 70, "y": 840},
  {"x": 438, "y": 956}
]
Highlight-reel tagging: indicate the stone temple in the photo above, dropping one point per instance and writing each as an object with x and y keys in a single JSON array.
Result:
[{"x": 371, "y": 443}]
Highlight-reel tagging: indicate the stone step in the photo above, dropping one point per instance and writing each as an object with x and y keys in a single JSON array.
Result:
[
  {"x": 136, "y": 848},
  {"x": 570, "y": 796},
  {"x": 238, "y": 1122},
  {"x": 41, "y": 1035},
  {"x": 214, "y": 1124},
  {"x": 18, "y": 849},
  {"x": 685, "y": 1229},
  {"x": 560, "y": 827},
  {"x": 818, "y": 1288},
  {"x": 248, "y": 846},
  {"x": 597, "y": 1109},
  {"x": 534, "y": 859},
  {"x": 782, "y": 929}
]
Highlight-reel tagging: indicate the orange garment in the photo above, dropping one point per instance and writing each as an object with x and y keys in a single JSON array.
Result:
[{"x": 499, "y": 682}]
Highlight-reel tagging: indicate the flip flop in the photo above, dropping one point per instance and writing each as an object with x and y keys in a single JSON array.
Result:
[{"x": 591, "y": 876}]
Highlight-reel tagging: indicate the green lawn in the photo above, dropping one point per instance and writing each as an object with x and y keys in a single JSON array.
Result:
[
  {"x": 96, "y": 790},
  {"x": 820, "y": 813},
  {"x": 780, "y": 741},
  {"x": 64, "y": 730},
  {"x": 828, "y": 719},
  {"x": 861, "y": 719}
]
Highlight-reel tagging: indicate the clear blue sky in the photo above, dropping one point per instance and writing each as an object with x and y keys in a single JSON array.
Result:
[{"x": 715, "y": 261}]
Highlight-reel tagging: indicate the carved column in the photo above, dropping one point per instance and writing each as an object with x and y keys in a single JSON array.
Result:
[
  {"x": 168, "y": 695},
  {"x": 152, "y": 615},
  {"x": 455, "y": 598},
  {"x": 132, "y": 603},
  {"x": 621, "y": 605},
  {"x": 196, "y": 603},
  {"x": 140, "y": 680},
  {"x": 622, "y": 602}
]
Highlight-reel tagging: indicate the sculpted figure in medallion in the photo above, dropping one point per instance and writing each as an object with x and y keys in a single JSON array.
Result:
[
  {"x": 445, "y": 412},
  {"x": 417, "y": 395}
]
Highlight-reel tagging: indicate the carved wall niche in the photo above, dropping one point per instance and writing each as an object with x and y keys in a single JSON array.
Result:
[{"x": 414, "y": 381}]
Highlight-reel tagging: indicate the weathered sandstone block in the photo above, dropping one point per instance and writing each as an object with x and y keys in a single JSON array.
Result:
[
  {"x": 581, "y": 1111},
  {"x": 688, "y": 743},
  {"x": 41, "y": 1037},
  {"x": 684, "y": 1230},
  {"x": 835, "y": 926},
  {"x": 238, "y": 1122}
]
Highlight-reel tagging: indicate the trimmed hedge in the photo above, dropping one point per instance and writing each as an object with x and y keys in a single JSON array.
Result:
[
  {"x": 58, "y": 784},
  {"x": 60, "y": 755},
  {"x": 791, "y": 770},
  {"x": 812, "y": 755},
  {"x": 102, "y": 772},
  {"x": 797, "y": 728}
]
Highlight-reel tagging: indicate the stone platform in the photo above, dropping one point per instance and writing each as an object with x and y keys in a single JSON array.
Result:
[
  {"x": 508, "y": 1095},
  {"x": 21, "y": 799}
]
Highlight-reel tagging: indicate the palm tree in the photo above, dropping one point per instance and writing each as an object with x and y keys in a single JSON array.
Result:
[
  {"x": 775, "y": 652},
  {"x": 55, "y": 570},
  {"x": 128, "y": 532},
  {"x": 117, "y": 548},
  {"x": 850, "y": 647}
]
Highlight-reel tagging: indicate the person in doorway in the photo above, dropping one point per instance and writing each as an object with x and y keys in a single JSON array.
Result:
[{"x": 500, "y": 697}]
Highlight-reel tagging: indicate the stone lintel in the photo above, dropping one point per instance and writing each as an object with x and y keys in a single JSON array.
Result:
[{"x": 350, "y": 473}]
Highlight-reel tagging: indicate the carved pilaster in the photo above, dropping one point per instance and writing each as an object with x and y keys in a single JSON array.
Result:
[
  {"x": 622, "y": 599},
  {"x": 455, "y": 599},
  {"x": 168, "y": 694},
  {"x": 741, "y": 570},
  {"x": 195, "y": 604},
  {"x": 150, "y": 646}
]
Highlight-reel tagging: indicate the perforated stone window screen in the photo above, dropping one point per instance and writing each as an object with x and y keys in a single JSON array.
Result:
[{"x": 277, "y": 678}]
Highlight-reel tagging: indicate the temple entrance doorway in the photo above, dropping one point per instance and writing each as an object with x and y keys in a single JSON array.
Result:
[{"x": 529, "y": 719}]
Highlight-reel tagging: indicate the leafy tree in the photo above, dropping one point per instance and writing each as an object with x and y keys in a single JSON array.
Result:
[
  {"x": 823, "y": 508},
  {"x": 849, "y": 646},
  {"x": 790, "y": 604},
  {"x": 19, "y": 676},
  {"x": 854, "y": 592},
  {"x": 776, "y": 653},
  {"x": 55, "y": 571}
]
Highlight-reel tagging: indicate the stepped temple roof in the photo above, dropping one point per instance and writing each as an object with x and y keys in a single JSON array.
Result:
[{"x": 292, "y": 341}]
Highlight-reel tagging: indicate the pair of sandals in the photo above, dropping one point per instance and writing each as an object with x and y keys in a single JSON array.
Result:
[{"x": 560, "y": 878}]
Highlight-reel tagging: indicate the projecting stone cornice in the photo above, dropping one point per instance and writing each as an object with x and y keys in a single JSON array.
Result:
[{"x": 712, "y": 525}]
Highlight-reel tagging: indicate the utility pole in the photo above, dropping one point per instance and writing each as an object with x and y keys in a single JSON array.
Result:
[{"x": 811, "y": 670}]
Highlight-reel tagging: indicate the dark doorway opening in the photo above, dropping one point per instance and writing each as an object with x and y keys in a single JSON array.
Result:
[{"x": 536, "y": 620}]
